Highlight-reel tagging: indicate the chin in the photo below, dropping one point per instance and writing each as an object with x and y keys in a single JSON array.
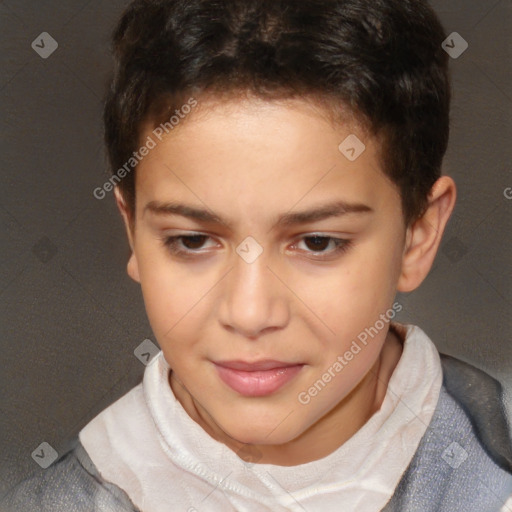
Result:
[{"x": 267, "y": 434}]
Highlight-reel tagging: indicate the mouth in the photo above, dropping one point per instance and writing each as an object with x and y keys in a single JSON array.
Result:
[{"x": 260, "y": 378}]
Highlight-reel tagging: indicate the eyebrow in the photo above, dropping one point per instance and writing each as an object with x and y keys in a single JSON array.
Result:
[{"x": 334, "y": 209}]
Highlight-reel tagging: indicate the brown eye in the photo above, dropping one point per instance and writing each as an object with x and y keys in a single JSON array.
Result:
[
  {"x": 317, "y": 243},
  {"x": 193, "y": 241},
  {"x": 322, "y": 247},
  {"x": 186, "y": 246}
]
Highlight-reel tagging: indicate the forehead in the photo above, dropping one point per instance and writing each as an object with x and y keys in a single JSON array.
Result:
[{"x": 262, "y": 154}]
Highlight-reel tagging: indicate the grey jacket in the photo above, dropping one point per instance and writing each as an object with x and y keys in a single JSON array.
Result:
[{"x": 463, "y": 462}]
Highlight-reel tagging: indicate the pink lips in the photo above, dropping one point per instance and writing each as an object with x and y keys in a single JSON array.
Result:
[{"x": 256, "y": 379}]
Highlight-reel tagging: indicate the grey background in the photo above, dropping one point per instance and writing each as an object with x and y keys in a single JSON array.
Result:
[{"x": 70, "y": 316}]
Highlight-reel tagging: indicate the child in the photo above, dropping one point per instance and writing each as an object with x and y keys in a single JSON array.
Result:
[{"x": 277, "y": 166}]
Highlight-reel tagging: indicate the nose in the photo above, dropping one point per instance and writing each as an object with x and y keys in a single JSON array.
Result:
[{"x": 253, "y": 300}]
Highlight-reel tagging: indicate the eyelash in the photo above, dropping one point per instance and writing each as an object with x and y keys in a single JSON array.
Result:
[{"x": 170, "y": 242}]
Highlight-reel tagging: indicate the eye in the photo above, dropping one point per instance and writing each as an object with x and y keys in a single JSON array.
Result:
[
  {"x": 185, "y": 245},
  {"x": 319, "y": 245}
]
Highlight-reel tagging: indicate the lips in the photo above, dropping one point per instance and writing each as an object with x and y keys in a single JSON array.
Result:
[
  {"x": 259, "y": 378},
  {"x": 263, "y": 365}
]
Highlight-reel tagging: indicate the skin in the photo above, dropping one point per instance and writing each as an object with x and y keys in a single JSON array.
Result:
[{"x": 249, "y": 161}]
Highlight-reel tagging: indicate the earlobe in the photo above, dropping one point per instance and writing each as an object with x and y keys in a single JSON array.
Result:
[
  {"x": 132, "y": 267},
  {"x": 424, "y": 235},
  {"x": 123, "y": 210}
]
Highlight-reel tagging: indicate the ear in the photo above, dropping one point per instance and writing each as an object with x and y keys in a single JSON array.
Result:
[
  {"x": 424, "y": 236},
  {"x": 132, "y": 267}
]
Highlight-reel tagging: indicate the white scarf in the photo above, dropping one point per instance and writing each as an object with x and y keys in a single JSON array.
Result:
[{"x": 148, "y": 445}]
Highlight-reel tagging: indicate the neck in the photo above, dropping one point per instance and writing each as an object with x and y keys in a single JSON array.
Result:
[{"x": 333, "y": 429}]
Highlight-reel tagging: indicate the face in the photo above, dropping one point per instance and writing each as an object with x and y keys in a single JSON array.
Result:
[{"x": 256, "y": 239}]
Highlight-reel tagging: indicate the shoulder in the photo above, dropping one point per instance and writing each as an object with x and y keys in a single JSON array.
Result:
[
  {"x": 464, "y": 459},
  {"x": 70, "y": 483},
  {"x": 481, "y": 398}
]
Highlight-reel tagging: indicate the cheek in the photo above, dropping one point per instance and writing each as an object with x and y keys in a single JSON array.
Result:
[
  {"x": 177, "y": 302},
  {"x": 172, "y": 316},
  {"x": 167, "y": 297},
  {"x": 352, "y": 297}
]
